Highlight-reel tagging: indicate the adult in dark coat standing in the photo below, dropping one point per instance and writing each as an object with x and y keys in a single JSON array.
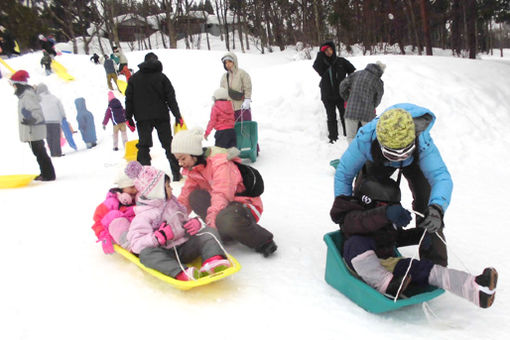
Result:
[
  {"x": 332, "y": 70},
  {"x": 149, "y": 96}
]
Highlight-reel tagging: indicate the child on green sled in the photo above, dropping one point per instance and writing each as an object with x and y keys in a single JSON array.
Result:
[
  {"x": 372, "y": 222},
  {"x": 162, "y": 234}
]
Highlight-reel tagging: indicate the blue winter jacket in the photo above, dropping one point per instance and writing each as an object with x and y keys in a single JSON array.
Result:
[
  {"x": 430, "y": 161},
  {"x": 85, "y": 121}
]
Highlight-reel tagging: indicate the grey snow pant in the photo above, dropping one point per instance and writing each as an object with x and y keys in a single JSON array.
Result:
[
  {"x": 235, "y": 221},
  {"x": 164, "y": 260}
]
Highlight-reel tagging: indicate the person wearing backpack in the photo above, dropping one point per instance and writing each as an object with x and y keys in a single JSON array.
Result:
[{"x": 217, "y": 192}]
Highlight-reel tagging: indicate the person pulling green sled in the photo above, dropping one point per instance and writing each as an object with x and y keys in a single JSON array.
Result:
[{"x": 372, "y": 222}]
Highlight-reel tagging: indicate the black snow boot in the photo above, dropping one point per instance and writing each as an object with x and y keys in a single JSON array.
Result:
[
  {"x": 488, "y": 279},
  {"x": 395, "y": 283},
  {"x": 267, "y": 248}
]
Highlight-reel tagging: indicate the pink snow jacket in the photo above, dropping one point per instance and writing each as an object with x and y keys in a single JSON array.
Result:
[
  {"x": 222, "y": 117},
  {"x": 149, "y": 216},
  {"x": 222, "y": 179},
  {"x": 109, "y": 210}
]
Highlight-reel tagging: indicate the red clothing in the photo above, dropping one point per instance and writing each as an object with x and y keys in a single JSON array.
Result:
[
  {"x": 222, "y": 116},
  {"x": 221, "y": 178},
  {"x": 109, "y": 210}
]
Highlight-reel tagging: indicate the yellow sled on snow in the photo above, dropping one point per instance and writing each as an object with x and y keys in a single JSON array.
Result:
[
  {"x": 182, "y": 285},
  {"x": 60, "y": 70},
  {"x": 7, "y": 66},
  {"x": 15, "y": 181},
  {"x": 122, "y": 86}
]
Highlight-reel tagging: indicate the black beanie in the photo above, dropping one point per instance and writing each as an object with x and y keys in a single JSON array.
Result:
[{"x": 150, "y": 57}]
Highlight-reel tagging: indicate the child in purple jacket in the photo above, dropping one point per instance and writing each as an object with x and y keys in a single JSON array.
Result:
[
  {"x": 163, "y": 235},
  {"x": 117, "y": 114}
]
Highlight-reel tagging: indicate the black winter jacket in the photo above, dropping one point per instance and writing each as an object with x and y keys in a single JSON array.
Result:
[
  {"x": 355, "y": 218},
  {"x": 332, "y": 71},
  {"x": 150, "y": 94}
]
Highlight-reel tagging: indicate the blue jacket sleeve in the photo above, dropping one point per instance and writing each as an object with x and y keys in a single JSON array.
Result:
[
  {"x": 436, "y": 173},
  {"x": 350, "y": 164}
]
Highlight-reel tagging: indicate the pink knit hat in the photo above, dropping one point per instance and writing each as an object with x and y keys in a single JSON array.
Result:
[
  {"x": 110, "y": 96},
  {"x": 149, "y": 181}
]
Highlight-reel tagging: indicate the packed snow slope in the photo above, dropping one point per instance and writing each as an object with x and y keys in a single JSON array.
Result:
[{"x": 57, "y": 283}]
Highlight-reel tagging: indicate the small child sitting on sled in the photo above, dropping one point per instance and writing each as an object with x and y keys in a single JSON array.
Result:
[
  {"x": 113, "y": 217},
  {"x": 162, "y": 234},
  {"x": 372, "y": 222},
  {"x": 222, "y": 120}
]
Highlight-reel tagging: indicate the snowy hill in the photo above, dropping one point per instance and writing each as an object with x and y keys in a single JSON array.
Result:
[{"x": 57, "y": 283}]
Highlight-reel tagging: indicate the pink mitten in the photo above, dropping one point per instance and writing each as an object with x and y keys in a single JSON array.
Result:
[
  {"x": 193, "y": 226},
  {"x": 164, "y": 233},
  {"x": 125, "y": 198},
  {"x": 106, "y": 242}
]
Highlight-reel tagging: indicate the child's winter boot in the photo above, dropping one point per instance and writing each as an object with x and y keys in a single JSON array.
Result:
[
  {"x": 267, "y": 248},
  {"x": 213, "y": 265},
  {"x": 487, "y": 282},
  {"x": 190, "y": 274},
  {"x": 396, "y": 283}
]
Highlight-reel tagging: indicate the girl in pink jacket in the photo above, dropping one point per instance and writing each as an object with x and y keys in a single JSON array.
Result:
[
  {"x": 162, "y": 234},
  {"x": 222, "y": 120},
  {"x": 212, "y": 188}
]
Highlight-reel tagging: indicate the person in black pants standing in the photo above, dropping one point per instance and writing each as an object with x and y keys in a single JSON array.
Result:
[
  {"x": 332, "y": 70},
  {"x": 149, "y": 96}
]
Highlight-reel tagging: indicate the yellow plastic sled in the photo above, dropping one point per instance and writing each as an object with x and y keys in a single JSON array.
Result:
[
  {"x": 178, "y": 128},
  {"x": 60, "y": 70},
  {"x": 131, "y": 150},
  {"x": 15, "y": 181},
  {"x": 7, "y": 65},
  {"x": 122, "y": 85},
  {"x": 182, "y": 285}
]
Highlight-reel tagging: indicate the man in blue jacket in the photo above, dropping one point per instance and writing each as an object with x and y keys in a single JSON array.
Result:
[{"x": 400, "y": 140}]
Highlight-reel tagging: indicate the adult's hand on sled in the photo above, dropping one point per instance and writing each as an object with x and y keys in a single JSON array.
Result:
[
  {"x": 433, "y": 221},
  {"x": 164, "y": 233},
  {"x": 193, "y": 226},
  {"x": 106, "y": 242},
  {"x": 399, "y": 216}
]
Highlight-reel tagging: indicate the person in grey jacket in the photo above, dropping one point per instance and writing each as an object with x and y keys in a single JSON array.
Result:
[
  {"x": 111, "y": 73},
  {"x": 32, "y": 129},
  {"x": 53, "y": 112},
  {"x": 363, "y": 91}
]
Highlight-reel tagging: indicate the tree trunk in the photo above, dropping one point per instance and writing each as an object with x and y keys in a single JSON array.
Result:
[
  {"x": 426, "y": 27},
  {"x": 414, "y": 26},
  {"x": 471, "y": 27},
  {"x": 317, "y": 22}
]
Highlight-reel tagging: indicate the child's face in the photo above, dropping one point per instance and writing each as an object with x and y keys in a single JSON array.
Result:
[
  {"x": 185, "y": 160},
  {"x": 168, "y": 189},
  {"x": 229, "y": 64},
  {"x": 130, "y": 190}
]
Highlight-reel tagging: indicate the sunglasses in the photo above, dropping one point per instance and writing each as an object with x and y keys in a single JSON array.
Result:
[{"x": 398, "y": 155}]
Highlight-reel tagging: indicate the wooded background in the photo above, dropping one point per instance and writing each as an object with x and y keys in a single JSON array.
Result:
[{"x": 467, "y": 27}]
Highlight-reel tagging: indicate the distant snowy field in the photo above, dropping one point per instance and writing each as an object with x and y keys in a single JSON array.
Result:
[{"x": 57, "y": 283}]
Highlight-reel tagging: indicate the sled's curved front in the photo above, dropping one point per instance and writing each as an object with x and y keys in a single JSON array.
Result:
[
  {"x": 339, "y": 276},
  {"x": 15, "y": 181},
  {"x": 182, "y": 285}
]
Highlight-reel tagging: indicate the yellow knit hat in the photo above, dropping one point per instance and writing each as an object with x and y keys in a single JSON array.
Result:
[{"x": 395, "y": 129}]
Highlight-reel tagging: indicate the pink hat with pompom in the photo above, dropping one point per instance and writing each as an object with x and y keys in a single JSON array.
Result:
[
  {"x": 111, "y": 96},
  {"x": 149, "y": 181}
]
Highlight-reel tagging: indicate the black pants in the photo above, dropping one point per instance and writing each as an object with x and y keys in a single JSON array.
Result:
[
  {"x": 420, "y": 189},
  {"x": 225, "y": 138},
  {"x": 45, "y": 165},
  {"x": 235, "y": 221},
  {"x": 53, "y": 139},
  {"x": 331, "y": 106},
  {"x": 164, "y": 131}
]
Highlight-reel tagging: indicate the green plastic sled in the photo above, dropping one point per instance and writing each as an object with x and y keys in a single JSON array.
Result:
[
  {"x": 340, "y": 278},
  {"x": 247, "y": 138}
]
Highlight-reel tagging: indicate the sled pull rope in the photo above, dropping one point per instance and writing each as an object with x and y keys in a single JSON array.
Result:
[{"x": 443, "y": 240}]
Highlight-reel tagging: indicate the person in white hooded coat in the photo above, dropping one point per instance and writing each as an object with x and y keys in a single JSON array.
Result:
[{"x": 54, "y": 113}]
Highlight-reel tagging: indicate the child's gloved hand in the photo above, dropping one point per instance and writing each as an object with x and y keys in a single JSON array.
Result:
[
  {"x": 106, "y": 242},
  {"x": 399, "y": 216},
  {"x": 193, "y": 226},
  {"x": 104, "y": 127},
  {"x": 164, "y": 233}
]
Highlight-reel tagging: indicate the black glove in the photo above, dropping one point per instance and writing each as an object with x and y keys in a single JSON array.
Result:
[
  {"x": 399, "y": 216},
  {"x": 28, "y": 121},
  {"x": 433, "y": 221}
]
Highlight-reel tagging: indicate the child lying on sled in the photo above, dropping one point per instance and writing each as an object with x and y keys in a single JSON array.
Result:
[
  {"x": 372, "y": 223},
  {"x": 113, "y": 216},
  {"x": 161, "y": 233}
]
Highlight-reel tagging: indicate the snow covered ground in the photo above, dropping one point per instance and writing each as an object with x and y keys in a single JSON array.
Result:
[{"x": 56, "y": 283}]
